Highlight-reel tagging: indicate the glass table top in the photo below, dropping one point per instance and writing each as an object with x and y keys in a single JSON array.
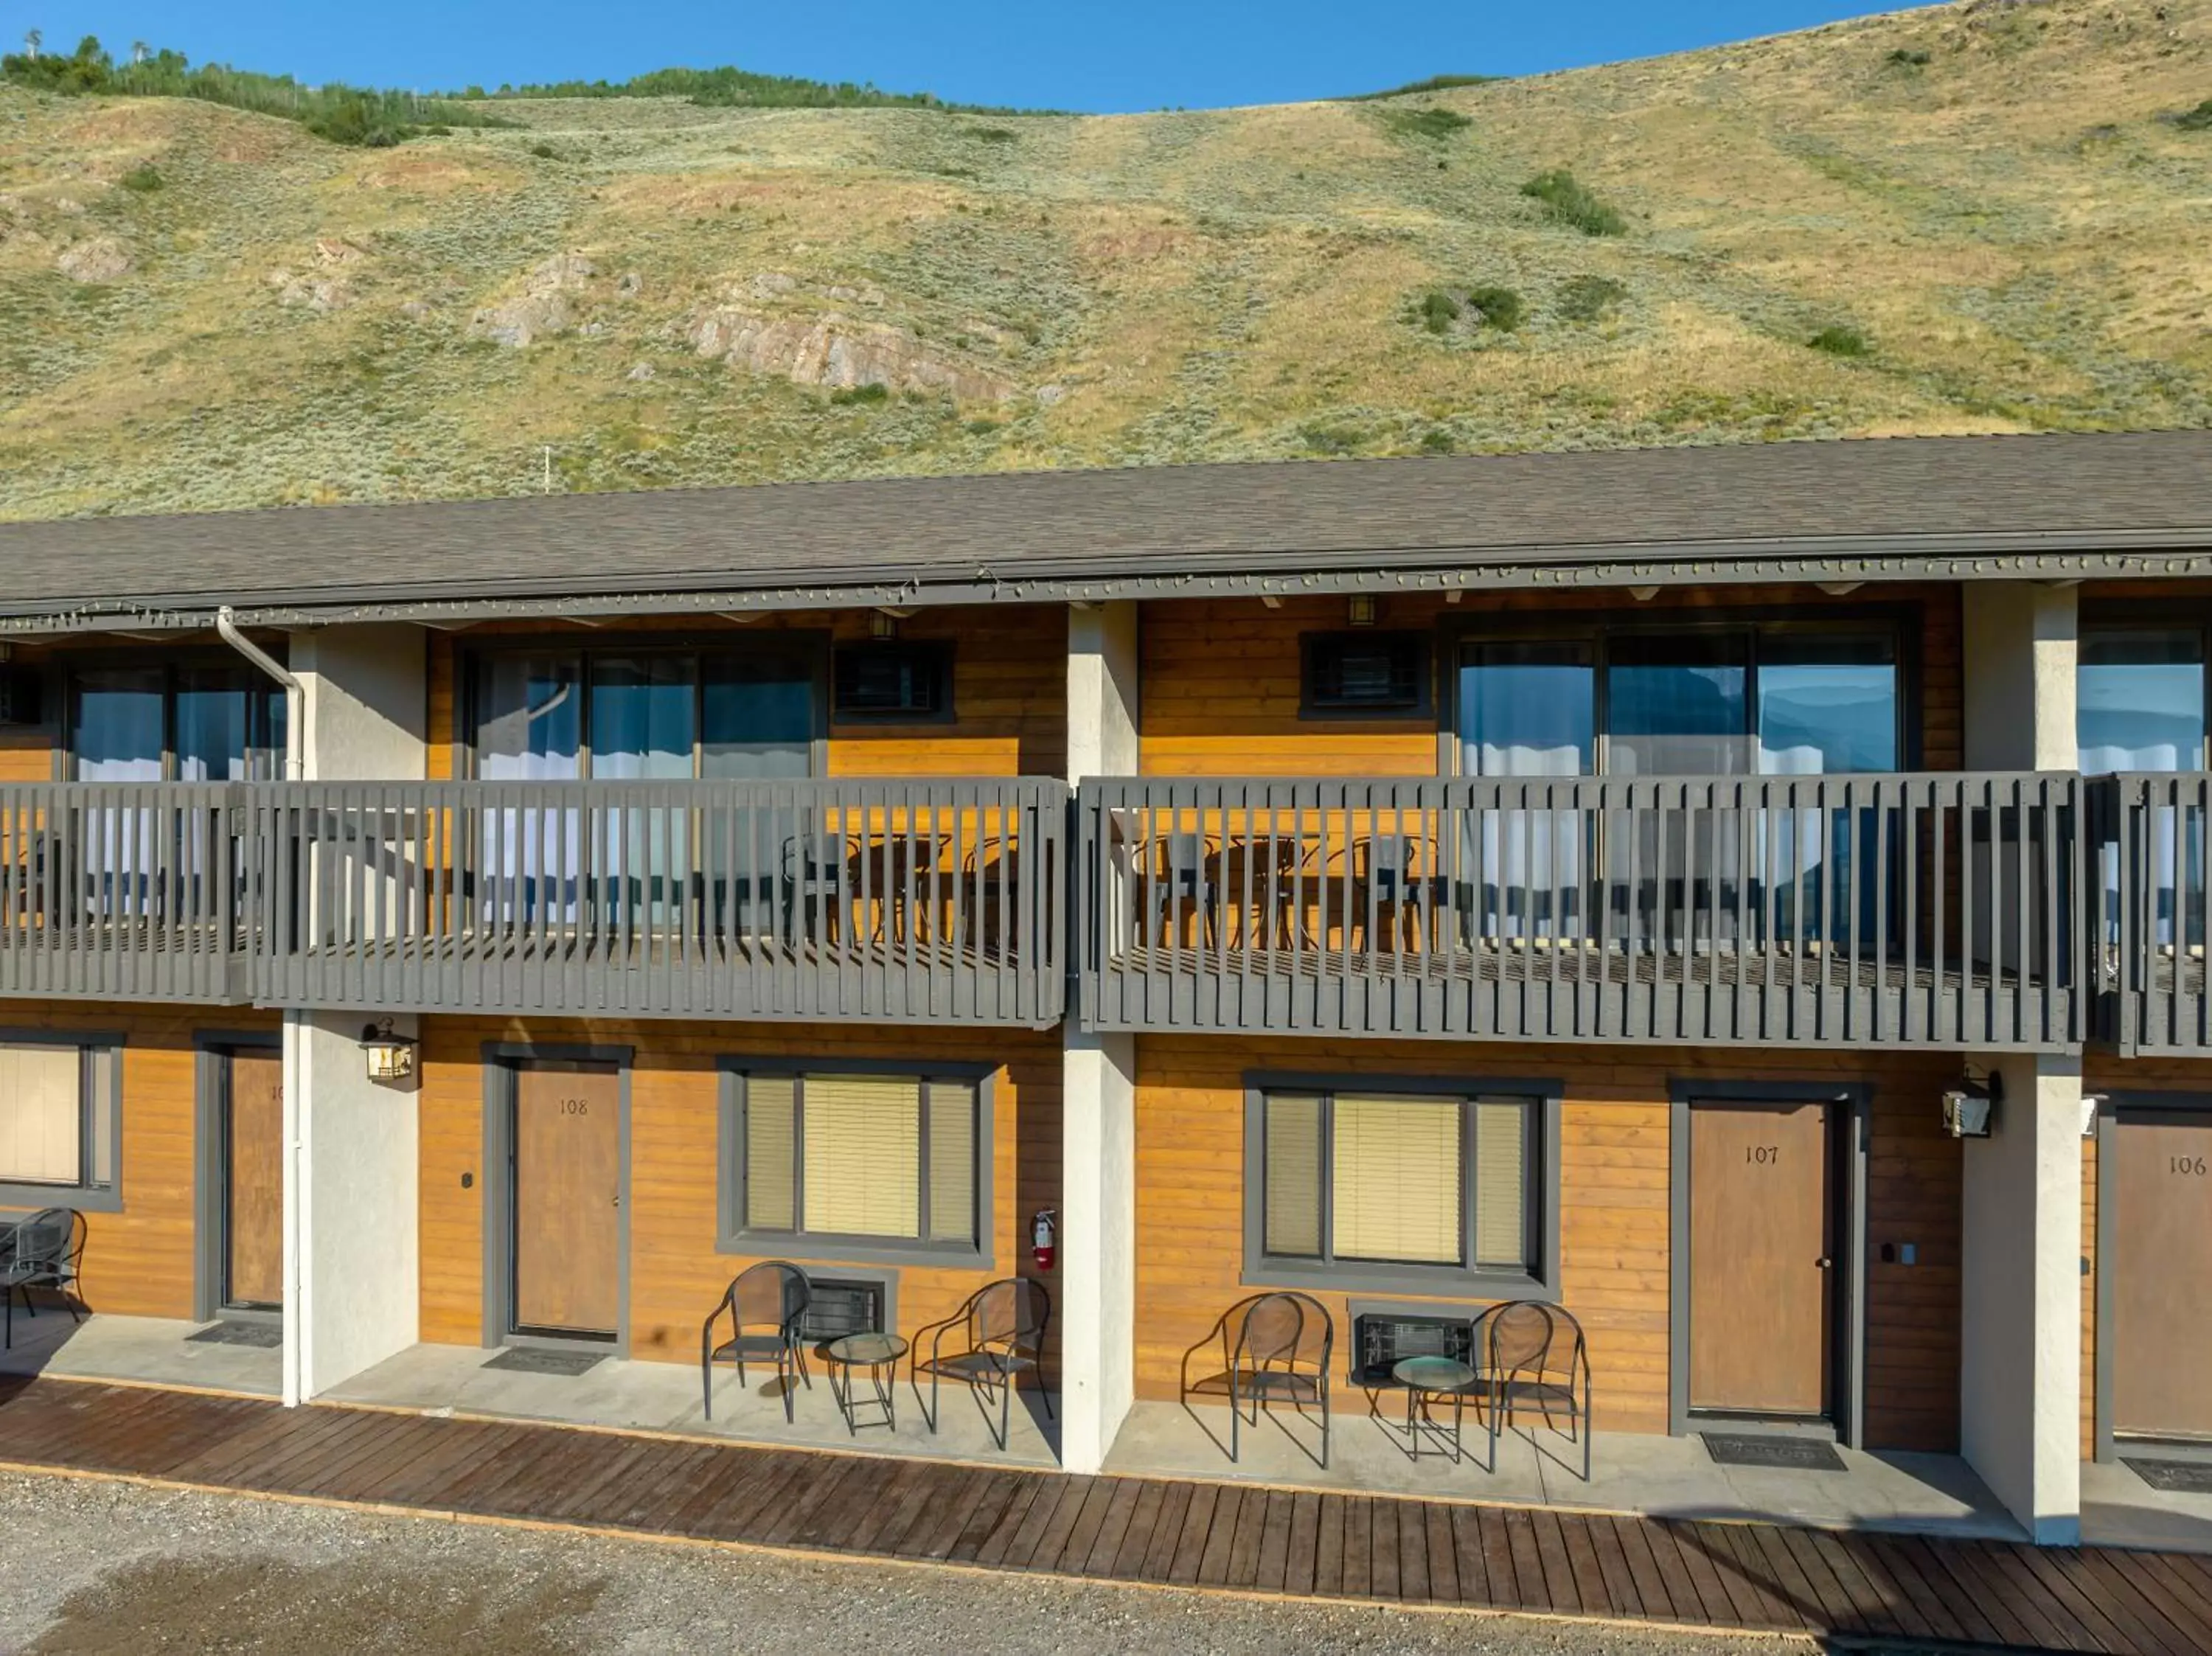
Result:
[
  {"x": 867, "y": 1348},
  {"x": 1432, "y": 1373}
]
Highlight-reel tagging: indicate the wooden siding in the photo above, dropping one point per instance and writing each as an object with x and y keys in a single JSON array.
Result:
[
  {"x": 139, "y": 1261},
  {"x": 1220, "y": 676},
  {"x": 1615, "y": 1229},
  {"x": 677, "y": 1274},
  {"x": 1009, "y": 688}
]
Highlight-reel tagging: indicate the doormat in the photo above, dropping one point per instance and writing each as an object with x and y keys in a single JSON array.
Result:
[
  {"x": 522, "y": 1360},
  {"x": 264, "y": 1337},
  {"x": 2178, "y": 1477},
  {"x": 1789, "y": 1454}
]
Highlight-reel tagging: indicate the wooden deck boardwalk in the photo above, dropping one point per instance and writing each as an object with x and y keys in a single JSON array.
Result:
[{"x": 1163, "y": 1531}]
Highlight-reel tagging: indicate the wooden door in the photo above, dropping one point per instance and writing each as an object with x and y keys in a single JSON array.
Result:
[
  {"x": 2161, "y": 1190},
  {"x": 568, "y": 1194},
  {"x": 253, "y": 1181},
  {"x": 1762, "y": 1225}
]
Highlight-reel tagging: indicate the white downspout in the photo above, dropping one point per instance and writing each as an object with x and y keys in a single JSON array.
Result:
[{"x": 296, "y": 743}]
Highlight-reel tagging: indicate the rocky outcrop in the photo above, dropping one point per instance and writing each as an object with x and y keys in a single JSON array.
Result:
[
  {"x": 545, "y": 307},
  {"x": 839, "y": 353},
  {"x": 101, "y": 260},
  {"x": 321, "y": 294}
]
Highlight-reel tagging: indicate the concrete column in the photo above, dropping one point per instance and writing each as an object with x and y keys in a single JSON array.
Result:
[
  {"x": 2020, "y": 648},
  {"x": 1098, "y": 1096},
  {"x": 352, "y": 1283},
  {"x": 2020, "y": 1378}
]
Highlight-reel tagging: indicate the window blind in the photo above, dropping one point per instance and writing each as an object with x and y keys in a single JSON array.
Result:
[
  {"x": 1292, "y": 1155},
  {"x": 1395, "y": 1179},
  {"x": 863, "y": 1155},
  {"x": 951, "y": 1161},
  {"x": 42, "y": 1114},
  {"x": 1501, "y": 1182},
  {"x": 771, "y": 1102}
]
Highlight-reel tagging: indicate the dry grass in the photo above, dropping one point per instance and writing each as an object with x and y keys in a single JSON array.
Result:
[{"x": 2016, "y": 227}]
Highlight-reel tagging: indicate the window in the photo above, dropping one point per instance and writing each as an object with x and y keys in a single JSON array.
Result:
[
  {"x": 867, "y": 1160},
  {"x": 647, "y": 714},
  {"x": 60, "y": 1105},
  {"x": 1779, "y": 700},
  {"x": 2141, "y": 696},
  {"x": 1383, "y": 1184},
  {"x": 1359, "y": 674},
  {"x": 893, "y": 681},
  {"x": 189, "y": 724}
]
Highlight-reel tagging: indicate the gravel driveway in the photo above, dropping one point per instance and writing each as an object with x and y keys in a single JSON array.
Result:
[{"x": 92, "y": 1565}]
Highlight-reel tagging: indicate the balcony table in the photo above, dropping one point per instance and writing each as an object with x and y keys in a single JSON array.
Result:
[
  {"x": 879, "y": 1354},
  {"x": 1426, "y": 1379}
]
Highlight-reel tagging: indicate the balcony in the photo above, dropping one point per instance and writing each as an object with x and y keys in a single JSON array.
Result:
[
  {"x": 1913, "y": 910},
  {"x": 938, "y": 901},
  {"x": 2155, "y": 841}
]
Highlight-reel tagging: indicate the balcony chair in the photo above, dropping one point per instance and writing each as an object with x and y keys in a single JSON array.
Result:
[
  {"x": 1533, "y": 1353},
  {"x": 770, "y": 1297},
  {"x": 996, "y": 1334},
  {"x": 1272, "y": 1347},
  {"x": 43, "y": 1251},
  {"x": 991, "y": 895},
  {"x": 814, "y": 887},
  {"x": 1178, "y": 885}
]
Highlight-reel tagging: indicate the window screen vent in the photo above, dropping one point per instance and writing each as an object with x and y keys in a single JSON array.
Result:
[
  {"x": 1383, "y": 1341},
  {"x": 1354, "y": 672},
  {"x": 837, "y": 1308},
  {"x": 893, "y": 681}
]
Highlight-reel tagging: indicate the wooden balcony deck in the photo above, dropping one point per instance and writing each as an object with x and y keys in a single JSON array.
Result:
[{"x": 1738, "y": 1577}]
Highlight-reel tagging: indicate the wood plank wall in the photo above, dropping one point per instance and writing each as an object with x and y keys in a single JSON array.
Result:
[
  {"x": 676, "y": 1275},
  {"x": 139, "y": 1261},
  {"x": 1221, "y": 675},
  {"x": 1009, "y": 686},
  {"x": 1613, "y": 1195}
]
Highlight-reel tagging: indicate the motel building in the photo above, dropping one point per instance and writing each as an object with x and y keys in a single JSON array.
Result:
[{"x": 1749, "y": 900}]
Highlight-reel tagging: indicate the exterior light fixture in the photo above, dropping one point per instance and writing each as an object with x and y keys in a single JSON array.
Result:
[
  {"x": 391, "y": 1057},
  {"x": 1362, "y": 609},
  {"x": 882, "y": 624},
  {"x": 1970, "y": 1110}
]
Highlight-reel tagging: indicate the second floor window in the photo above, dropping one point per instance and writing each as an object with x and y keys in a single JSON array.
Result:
[
  {"x": 189, "y": 724},
  {"x": 653, "y": 715},
  {"x": 2140, "y": 699},
  {"x": 1719, "y": 701}
]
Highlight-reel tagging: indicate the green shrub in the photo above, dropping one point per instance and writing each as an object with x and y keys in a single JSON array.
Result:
[
  {"x": 1437, "y": 440},
  {"x": 1330, "y": 439},
  {"x": 1497, "y": 308},
  {"x": 2199, "y": 119},
  {"x": 1571, "y": 201},
  {"x": 860, "y": 395},
  {"x": 982, "y": 427},
  {"x": 1438, "y": 310},
  {"x": 361, "y": 120},
  {"x": 990, "y": 134},
  {"x": 1840, "y": 341},
  {"x": 1426, "y": 123},
  {"x": 1434, "y": 83},
  {"x": 545, "y": 152},
  {"x": 1904, "y": 59},
  {"x": 145, "y": 179},
  {"x": 1587, "y": 298}
]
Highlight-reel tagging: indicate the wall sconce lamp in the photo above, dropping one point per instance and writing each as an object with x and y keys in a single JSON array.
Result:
[
  {"x": 1362, "y": 609},
  {"x": 391, "y": 1057},
  {"x": 1970, "y": 1109}
]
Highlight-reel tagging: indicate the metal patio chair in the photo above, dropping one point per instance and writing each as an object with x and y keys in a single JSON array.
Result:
[
  {"x": 1533, "y": 1353},
  {"x": 43, "y": 1251},
  {"x": 1274, "y": 1349},
  {"x": 998, "y": 1334},
  {"x": 771, "y": 1297}
]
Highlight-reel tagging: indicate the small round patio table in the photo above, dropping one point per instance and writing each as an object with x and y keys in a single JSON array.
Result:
[
  {"x": 1428, "y": 1381},
  {"x": 878, "y": 1354}
]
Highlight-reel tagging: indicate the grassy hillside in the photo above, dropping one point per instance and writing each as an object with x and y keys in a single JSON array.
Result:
[{"x": 1988, "y": 214}]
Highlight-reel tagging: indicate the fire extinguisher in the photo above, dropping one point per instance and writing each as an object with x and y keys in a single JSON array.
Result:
[{"x": 1044, "y": 1232}]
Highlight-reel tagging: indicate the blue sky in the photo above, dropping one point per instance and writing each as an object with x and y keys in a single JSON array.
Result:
[{"x": 1102, "y": 55}]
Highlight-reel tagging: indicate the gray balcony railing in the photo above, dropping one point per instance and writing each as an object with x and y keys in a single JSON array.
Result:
[
  {"x": 122, "y": 891},
  {"x": 901, "y": 900},
  {"x": 2155, "y": 840},
  {"x": 1923, "y": 910},
  {"x": 898, "y": 901}
]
